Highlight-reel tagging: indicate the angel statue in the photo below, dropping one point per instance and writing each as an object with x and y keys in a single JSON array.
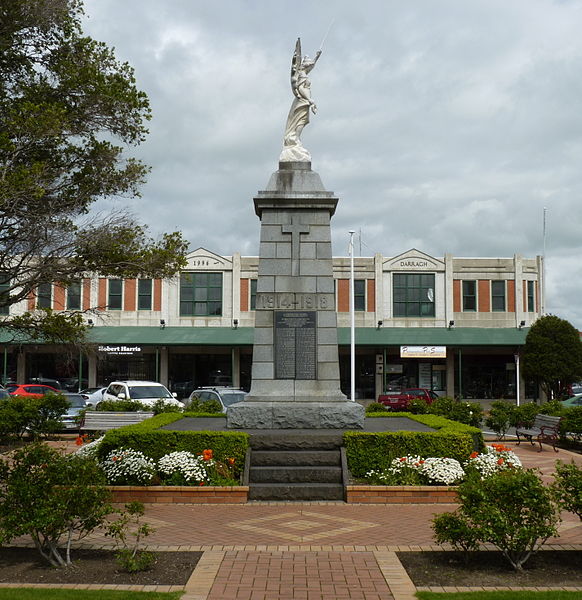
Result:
[{"x": 298, "y": 118}]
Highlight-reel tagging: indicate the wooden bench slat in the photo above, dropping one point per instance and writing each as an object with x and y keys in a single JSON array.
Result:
[
  {"x": 103, "y": 421},
  {"x": 546, "y": 428}
]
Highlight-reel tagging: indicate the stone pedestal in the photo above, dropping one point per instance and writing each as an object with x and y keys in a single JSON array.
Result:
[{"x": 295, "y": 377}]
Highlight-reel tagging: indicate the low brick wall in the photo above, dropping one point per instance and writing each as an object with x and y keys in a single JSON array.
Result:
[
  {"x": 158, "y": 494},
  {"x": 400, "y": 494}
]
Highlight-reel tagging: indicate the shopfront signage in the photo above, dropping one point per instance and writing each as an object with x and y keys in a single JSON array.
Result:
[
  {"x": 423, "y": 351},
  {"x": 119, "y": 349}
]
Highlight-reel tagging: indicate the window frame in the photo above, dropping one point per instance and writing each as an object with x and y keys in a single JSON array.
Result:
[
  {"x": 414, "y": 286},
  {"x": 4, "y": 291},
  {"x": 114, "y": 295},
  {"x": 70, "y": 305},
  {"x": 201, "y": 295},
  {"x": 531, "y": 296},
  {"x": 466, "y": 296},
  {"x": 360, "y": 295},
  {"x": 253, "y": 294},
  {"x": 145, "y": 296},
  {"x": 44, "y": 299},
  {"x": 496, "y": 295}
]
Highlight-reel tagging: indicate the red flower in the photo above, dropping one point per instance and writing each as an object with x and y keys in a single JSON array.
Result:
[
  {"x": 79, "y": 441},
  {"x": 474, "y": 455},
  {"x": 201, "y": 483},
  {"x": 230, "y": 461},
  {"x": 500, "y": 461},
  {"x": 207, "y": 454},
  {"x": 403, "y": 459}
]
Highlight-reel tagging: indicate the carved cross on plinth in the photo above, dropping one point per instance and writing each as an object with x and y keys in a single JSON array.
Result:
[{"x": 295, "y": 229}]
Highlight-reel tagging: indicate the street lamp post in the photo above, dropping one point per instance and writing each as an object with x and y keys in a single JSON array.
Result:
[{"x": 352, "y": 323}]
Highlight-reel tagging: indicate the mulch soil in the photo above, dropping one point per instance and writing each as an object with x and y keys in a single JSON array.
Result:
[
  {"x": 547, "y": 568},
  {"x": 25, "y": 565}
]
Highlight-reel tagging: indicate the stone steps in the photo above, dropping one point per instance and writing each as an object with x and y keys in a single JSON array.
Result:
[{"x": 296, "y": 466}]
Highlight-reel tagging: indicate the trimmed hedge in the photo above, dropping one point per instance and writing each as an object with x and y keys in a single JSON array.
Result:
[
  {"x": 155, "y": 442},
  {"x": 366, "y": 451}
]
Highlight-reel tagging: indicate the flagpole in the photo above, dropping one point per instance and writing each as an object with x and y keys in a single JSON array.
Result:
[{"x": 353, "y": 323}]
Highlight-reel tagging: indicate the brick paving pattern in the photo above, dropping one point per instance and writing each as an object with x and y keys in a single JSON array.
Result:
[{"x": 312, "y": 551}]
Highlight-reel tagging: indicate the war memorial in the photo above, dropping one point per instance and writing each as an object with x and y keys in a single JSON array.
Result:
[{"x": 295, "y": 371}]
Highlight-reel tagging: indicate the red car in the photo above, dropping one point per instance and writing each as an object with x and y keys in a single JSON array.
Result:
[
  {"x": 35, "y": 390},
  {"x": 399, "y": 402}
]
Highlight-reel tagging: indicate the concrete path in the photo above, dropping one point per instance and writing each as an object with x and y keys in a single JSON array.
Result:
[{"x": 313, "y": 551}]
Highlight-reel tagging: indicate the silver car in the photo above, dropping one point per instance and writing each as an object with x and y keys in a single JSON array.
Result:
[{"x": 225, "y": 395}]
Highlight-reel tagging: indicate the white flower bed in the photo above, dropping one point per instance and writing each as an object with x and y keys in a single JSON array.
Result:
[
  {"x": 185, "y": 464},
  {"x": 128, "y": 467},
  {"x": 446, "y": 471}
]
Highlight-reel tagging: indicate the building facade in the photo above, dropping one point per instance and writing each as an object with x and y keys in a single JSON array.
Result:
[{"x": 455, "y": 325}]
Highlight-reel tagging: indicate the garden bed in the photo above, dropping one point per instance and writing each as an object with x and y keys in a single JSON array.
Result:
[
  {"x": 162, "y": 494},
  {"x": 401, "y": 494}
]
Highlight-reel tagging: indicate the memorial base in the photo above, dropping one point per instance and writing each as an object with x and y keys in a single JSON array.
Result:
[{"x": 295, "y": 415}]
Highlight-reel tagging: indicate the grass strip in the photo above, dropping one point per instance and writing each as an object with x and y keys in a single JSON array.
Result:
[
  {"x": 66, "y": 594},
  {"x": 500, "y": 595}
]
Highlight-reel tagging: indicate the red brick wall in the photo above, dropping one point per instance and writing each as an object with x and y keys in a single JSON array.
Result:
[
  {"x": 244, "y": 294},
  {"x": 343, "y": 295},
  {"x": 511, "y": 296},
  {"x": 456, "y": 295},
  {"x": 129, "y": 294},
  {"x": 371, "y": 295},
  {"x": 157, "y": 295},
  {"x": 484, "y": 292}
]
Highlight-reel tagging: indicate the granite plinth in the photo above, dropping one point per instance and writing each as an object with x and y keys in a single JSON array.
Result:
[{"x": 295, "y": 415}]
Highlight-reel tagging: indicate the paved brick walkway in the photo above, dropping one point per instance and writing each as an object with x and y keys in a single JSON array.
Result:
[{"x": 312, "y": 551}]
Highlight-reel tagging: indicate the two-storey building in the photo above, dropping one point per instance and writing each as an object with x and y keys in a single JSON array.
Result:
[{"x": 451, "y": 324}]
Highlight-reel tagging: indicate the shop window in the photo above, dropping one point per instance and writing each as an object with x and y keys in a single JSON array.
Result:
[
  {"x": 4, "y": 287},
  {"x": 144, "y": 294},
  {"x": 498, "y": 296},
  {"x": 115, "y": 294},
  {"x": 74, "y": 296},
  {"x": 200, "y": 294},
  {"x": 359, "y": 294},
  {"x": 531, "y": 296},
  {"x": 44, "y": 295},
  {"x": 253, "y": 294},
  {"x": 469, "y": 296},
  {"x": 413, "y": 295}
]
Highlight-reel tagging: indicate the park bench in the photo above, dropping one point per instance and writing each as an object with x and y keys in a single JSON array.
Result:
[
  {"x": 545, "y": 429},
  {"x": 103, "y": 421}
]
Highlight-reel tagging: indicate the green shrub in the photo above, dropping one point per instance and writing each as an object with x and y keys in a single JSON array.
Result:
[
  {"x": 155, "y": 442},
  {"x": 35, "y": 416},
  {"x": 51, "y": 497},
  {"x": 512, "y": 510},
  {"x": 568, "y": 487},
  {"x": 469, "y": 413},
  {"x": 375, "y": 407},
  {"x": 375, "y": 451},
  {"x": 500, "y": 417},
  {"x": 211, "y": 406},
  {"x": 571, "y": 424},
  {"x": 122, "y": 406},
  {"x": 524, "y": 415},
  {"x": 553, "y": 408},
  {"x": 418, "y": 406}
]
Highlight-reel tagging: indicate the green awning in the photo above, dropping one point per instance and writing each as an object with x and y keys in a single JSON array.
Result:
[
  {"x": 434, "y": 336},
  {"x": 243, "y": 336}
]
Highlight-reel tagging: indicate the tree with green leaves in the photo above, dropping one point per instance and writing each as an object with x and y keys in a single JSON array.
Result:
[
  {"x": 68, "y": 109},
  {"x": 552, "y": 355}
]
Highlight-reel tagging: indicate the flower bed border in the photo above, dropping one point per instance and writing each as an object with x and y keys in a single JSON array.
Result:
[
  {"x": 401, "y": 494},
  {"x": 177, "y": 494}
]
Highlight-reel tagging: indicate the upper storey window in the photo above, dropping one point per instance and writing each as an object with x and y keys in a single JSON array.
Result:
[
  {"x": 413, "y": 294},
  {"x": 200, "y": 294}
]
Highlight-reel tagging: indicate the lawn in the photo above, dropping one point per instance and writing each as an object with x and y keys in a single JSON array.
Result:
[
  {"x": 62, "y": 594},
  {"x": 508, "y": 595}
]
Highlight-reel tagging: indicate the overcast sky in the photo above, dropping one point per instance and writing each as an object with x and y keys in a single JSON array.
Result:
[{"x": 444, "y": 125}]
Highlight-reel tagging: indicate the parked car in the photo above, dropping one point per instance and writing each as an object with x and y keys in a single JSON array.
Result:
[
  {"x": 92, "y": 395},
  {"x": 76, "y": 405},
  {"x": 575, "y": 400},
  {"x": 34, "y": 390},
  {"x": 146, "y": 392},
  {"x": 225, "y": 395},
  {"x": 576, "y": 389},
  {"x": 4, "y": 394},
  {"x": 399, "y": 402},
  {"x": 54, "y": 383}
]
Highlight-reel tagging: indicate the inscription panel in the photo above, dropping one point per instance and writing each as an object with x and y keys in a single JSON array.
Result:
[
  {"x": 295, "y": 344},
  {"x": 293, "y": 300}
]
